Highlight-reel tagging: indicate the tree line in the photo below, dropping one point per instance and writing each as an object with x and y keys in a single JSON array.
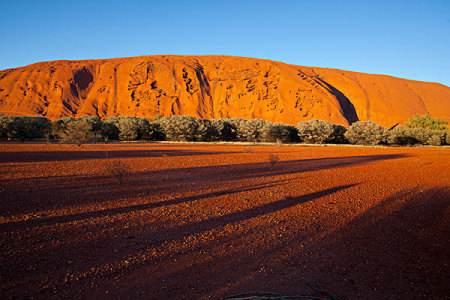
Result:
[{"x": 423, "y": 130}]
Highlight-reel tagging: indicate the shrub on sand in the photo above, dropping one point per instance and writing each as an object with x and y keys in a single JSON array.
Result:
[
  {"x": 25, "y": 128},
  {"x": 366, "y": 133},
  {"x": 423, "y": 130},
  {"x": 280, "y": 133},
  {"x": 320, "y": 132},
  {"x": 179, "y": 128}
]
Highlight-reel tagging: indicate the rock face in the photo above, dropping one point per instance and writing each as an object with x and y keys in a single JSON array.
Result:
[{"x": 215, "y": 87}]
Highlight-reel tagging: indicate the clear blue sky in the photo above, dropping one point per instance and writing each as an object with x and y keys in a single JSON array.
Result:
[{"x": 408, "y": 39}]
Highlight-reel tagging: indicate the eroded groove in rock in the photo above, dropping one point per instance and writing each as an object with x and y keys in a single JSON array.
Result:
[{"x": 215, "y": 87}]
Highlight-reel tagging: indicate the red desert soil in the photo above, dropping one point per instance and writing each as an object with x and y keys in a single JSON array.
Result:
[
  {"x": 215, "y": 87},
  {"x": 205, "y": 221}
]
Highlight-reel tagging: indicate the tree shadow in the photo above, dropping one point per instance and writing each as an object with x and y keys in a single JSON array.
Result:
[
  {"x": 246, "y": 214},
  {"x": 51, "y": 156},
  {"x": 396, "y": 250},
  {"x": 44, "y": 221},
  {"x": 59, "y": 192},
  {"x": 160, "y": 237}
]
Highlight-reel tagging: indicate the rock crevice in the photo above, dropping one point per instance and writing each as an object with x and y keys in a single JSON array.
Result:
[{"x": 215, "y": 87}]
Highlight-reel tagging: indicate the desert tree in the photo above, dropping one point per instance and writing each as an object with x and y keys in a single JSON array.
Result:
[
  {"x": 205, "y": 131},
  {"x": 109, "y": 131},
  {"x": 320, "y": 132},
  {"x": 249, "y": 130},
  {"x": 426, "y": 122},
  {"x": 76, "y": 131},
  {"x": 5, "y": 122},
  {"x": 129, "y": 128},
  {"x": 423, "y": 130},
  {"x": 151, "y": 130},
  {"x": 223, "y": 130},
  {"x": 402, "y": 135},
  {"x": 179, "y": 128},
  {"x": 366, "y": 133},
  {"x": 27, "y": 128},
  {"x": 279, "y": 133}
]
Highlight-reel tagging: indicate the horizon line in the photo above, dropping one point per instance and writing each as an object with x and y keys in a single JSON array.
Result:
[{"x": 221, "y": 55}]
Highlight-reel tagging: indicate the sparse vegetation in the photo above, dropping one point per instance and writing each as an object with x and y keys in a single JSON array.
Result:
[
  {"x": 273, "y": 159},
  {"x": 24, "y": 128},
  {"x": 423, "y": 130},
  {"x": 77, "y": 131},
  {"x": 280, "y": 133},
  {"x": 179, "y": 128},
  {"x": 117, "y": 169},
  {"x": 366, "y": 133},
  {"x": 109, "y": 131},
  {"x": 320, "y": 132},
  {"x": 402, "y": 135},
  {"x": 205, "y": 131},
  {"x": 426, "y": 122},
  {"x": 250, "y": 130},
  {"x": 130, "y": 129},
  {"x": 4, "y": 126},
  {"x": 224, "y": 129}
]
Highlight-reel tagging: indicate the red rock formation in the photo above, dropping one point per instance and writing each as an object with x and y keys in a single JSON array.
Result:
[{"x": 215, "y": 87}]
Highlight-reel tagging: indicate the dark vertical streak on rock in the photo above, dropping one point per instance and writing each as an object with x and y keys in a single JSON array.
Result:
[{"x": 347, "y": 107}]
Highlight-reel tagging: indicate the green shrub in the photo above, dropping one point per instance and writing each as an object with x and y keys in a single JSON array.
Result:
[
  {"x": 426, "y": 122},
  {"x": 423, "y": 130},
  {"x": 320, "y": 132},
  {"x": 58, "y": 127},
  {"x": 94, "y": 124},
  {"x": 280, "y": 133},
  {"x": 179, "y": 128},
  {"x": 27, "y": 128},
  {"x": 4, "y": 125},
  {"x": 339, "y": 135},
  {"x": 402, "y": 135},
  {"x": 77, "y": 131},
  {"x": 152, "y": 131},
  {"x": 205, "y": 131},
  {"x": 437, "y": 138},
  {"x": 250, "y": 130},
  {"x": 366, "y": 133},
  {"x": 109, "y": 132},
  {"x": 187, "y": 128},
  {"x": 223, "y": 130},
  {"x": 129, "y": 128}
]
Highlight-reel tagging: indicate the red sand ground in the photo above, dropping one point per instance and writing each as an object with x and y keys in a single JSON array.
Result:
[{"x": 203, "y": 221}]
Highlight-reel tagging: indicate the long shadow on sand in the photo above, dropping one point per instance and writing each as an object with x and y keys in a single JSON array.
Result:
[
  {"x": 61, "y": 191},
  {"x": 397, "y": 249},
  {"x": 31, "y": 195},
  {"x": 127, "y": 209},
  {"x": 180, "y": 232},
  {"x": 49, "y": 156}
]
